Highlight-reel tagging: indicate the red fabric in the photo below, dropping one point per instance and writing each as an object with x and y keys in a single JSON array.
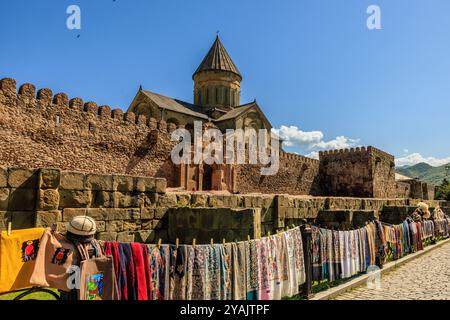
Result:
[
  {"x": 115, "y": 254},
  {"x": 140, "y": 274}
]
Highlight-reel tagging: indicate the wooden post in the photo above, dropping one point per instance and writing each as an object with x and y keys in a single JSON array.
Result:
[{"x": 306, "y": 289}]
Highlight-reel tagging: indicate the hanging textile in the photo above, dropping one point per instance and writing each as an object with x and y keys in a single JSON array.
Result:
[
  {"x": 239, "y": 271},
  {"x": 178, "y": 286},
  {"x": 316, "y": 254},
  {"x": 18, "y": 253},
  {"x": 251, "y": 254},
  {"x": 263, "y": 269},
  {"x": 330, "y": 254},
  {"x": 274, "y": 268}
]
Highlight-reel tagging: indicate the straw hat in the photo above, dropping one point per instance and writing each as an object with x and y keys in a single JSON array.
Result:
[
  {"x": 425, "y": 209},
  {"x": 82, "y": 226}
]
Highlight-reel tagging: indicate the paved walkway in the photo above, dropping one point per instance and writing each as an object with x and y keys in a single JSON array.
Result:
[{"x": 424, "y": 278}]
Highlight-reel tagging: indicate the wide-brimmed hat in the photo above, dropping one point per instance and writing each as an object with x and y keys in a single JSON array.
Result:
[
  {"x": 425, "y": 209},
  {"x": 82, "y": 226}
]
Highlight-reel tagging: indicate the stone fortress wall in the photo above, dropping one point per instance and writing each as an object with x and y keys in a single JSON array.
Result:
[
  {"x": 134, "y": 208},
  {"x": 116, "y": 167},
  {"x": 42, "y": 130}
]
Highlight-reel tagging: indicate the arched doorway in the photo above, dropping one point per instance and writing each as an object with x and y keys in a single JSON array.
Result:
[{"x": 207, "y": 177}]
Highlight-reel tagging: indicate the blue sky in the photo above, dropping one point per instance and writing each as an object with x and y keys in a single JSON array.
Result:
[{"x": 321, "y": 76}]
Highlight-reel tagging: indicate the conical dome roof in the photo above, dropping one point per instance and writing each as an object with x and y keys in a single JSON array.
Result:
[{"x": 217, "y": 59}]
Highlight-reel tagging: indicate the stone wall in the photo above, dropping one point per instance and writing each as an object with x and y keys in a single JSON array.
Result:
[
  {"x": 133, "y": 208},
  {"x": 357, "y": 172},
  {"x": 42, "y": 130},
  {"x": 218, "y": 224},
  {"x": 297, "y": 175},
  {"x": 415, "y": 189}
]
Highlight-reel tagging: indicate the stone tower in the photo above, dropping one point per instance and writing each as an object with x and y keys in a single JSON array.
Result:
[{"x": 217, "y": 81}]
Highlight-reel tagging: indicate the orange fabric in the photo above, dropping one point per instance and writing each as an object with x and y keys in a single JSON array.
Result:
[{"x": 18, "y": 253}]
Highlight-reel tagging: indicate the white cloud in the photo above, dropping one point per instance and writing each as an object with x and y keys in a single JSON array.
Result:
[
  {"x": 405, "y": 151},
  {"x": 340, "y": 142},
  {"x": 314, "y": 155},
  {"x": 293, "y": 137},
  {"x": 312, "y": 140},
  {"x": 416, "y": 158}
]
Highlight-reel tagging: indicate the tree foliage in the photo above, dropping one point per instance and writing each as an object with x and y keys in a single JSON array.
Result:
[{"x": 443, "y": 191}]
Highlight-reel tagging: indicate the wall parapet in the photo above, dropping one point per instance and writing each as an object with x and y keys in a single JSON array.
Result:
[{"x": 27, "y": 93}]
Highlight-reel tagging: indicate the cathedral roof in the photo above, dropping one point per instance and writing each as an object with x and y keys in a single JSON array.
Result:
[
  {"x": 175, "y": 105},
  {"x": 217, "y": 59}
]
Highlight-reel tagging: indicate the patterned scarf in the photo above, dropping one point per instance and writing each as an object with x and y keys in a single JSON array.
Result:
[
  {"x": 227, "y": 270},
  {"x": 251, "y": 255},
  {"x": 190, "y": 262},
  {"x": 274, "y": 269},
  {"x": 330, "y": 254},
  {"x": 239, "y": 271},
  {"x": 263, "y": 269},
  {"x": 213, "y": 273},
  {"x": 178, "y": 287},
  {"x": 316, "y": 254}
]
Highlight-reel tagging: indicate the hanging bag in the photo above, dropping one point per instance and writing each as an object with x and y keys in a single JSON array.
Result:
[
  {"x": 55, "y": 261},
  {"x": 97, "y": 277}
]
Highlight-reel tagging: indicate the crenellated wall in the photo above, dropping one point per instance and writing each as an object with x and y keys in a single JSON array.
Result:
[
  {"x": 45, "y": 130},
  {"x": 357, "y": 172}
]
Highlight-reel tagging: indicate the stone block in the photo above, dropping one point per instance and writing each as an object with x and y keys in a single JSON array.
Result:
[
  {"x": 126, "y": 200},
  {"x": 114, "y": 226},
  {"x": 125, "y": 237},
  {"x": 72, "y": 180},
  {"x": 101, "y": 226},
  {"x": 102, "y": 199},
  {"x": 167, "y": 200},
  {"x": 144, "y": 236},
  {"x": 216, "y": 201},
  {"x": 123, "y": 183},
  {"x": 3, "y": 177},
  {"x": 101, "y": 213},
  {"x": 147, "y": 199},
  {"x": 46, "y": 219},
  {"x": 69, "y": 213},
  {"x": 23, "y": 220},
  {"x": 183, "y": 200},
  {"x": 161, "y": 185},
  {"x": 74, "y": 199},
  {"x": 4, "y": 198},
  {"x": 147, "y": 213},
  {"x": 48, "y": 199},
  {"x": 107, "y": 236},
  {"x": 99, "y": 182},
  {"x": 199, "y": 200},
  {"x": 145, "y": 184},
  {"x": 22, "y": 178},
  {"x": 49, "y": 178},
  {"x": 22, "y": 200},
  {"x": 131, "y": 226}
]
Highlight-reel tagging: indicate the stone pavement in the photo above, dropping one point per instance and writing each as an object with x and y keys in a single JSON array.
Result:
[{"x": 424, "y": 278}]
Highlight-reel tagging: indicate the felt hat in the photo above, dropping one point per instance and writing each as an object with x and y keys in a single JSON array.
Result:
[{"x": 82, "y": 226}]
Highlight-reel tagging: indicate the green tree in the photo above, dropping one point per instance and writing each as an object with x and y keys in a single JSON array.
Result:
[{"x": 443, "y": 191}]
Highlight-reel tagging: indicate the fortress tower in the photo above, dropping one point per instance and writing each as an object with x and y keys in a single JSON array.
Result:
[{"x": 217, "y": 80}]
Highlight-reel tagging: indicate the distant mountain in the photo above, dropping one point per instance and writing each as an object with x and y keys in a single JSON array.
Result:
[{"x": 424, "y": 172}]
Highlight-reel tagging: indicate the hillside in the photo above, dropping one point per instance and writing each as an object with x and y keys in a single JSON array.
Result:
[{"x": 424, "y": 172}]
